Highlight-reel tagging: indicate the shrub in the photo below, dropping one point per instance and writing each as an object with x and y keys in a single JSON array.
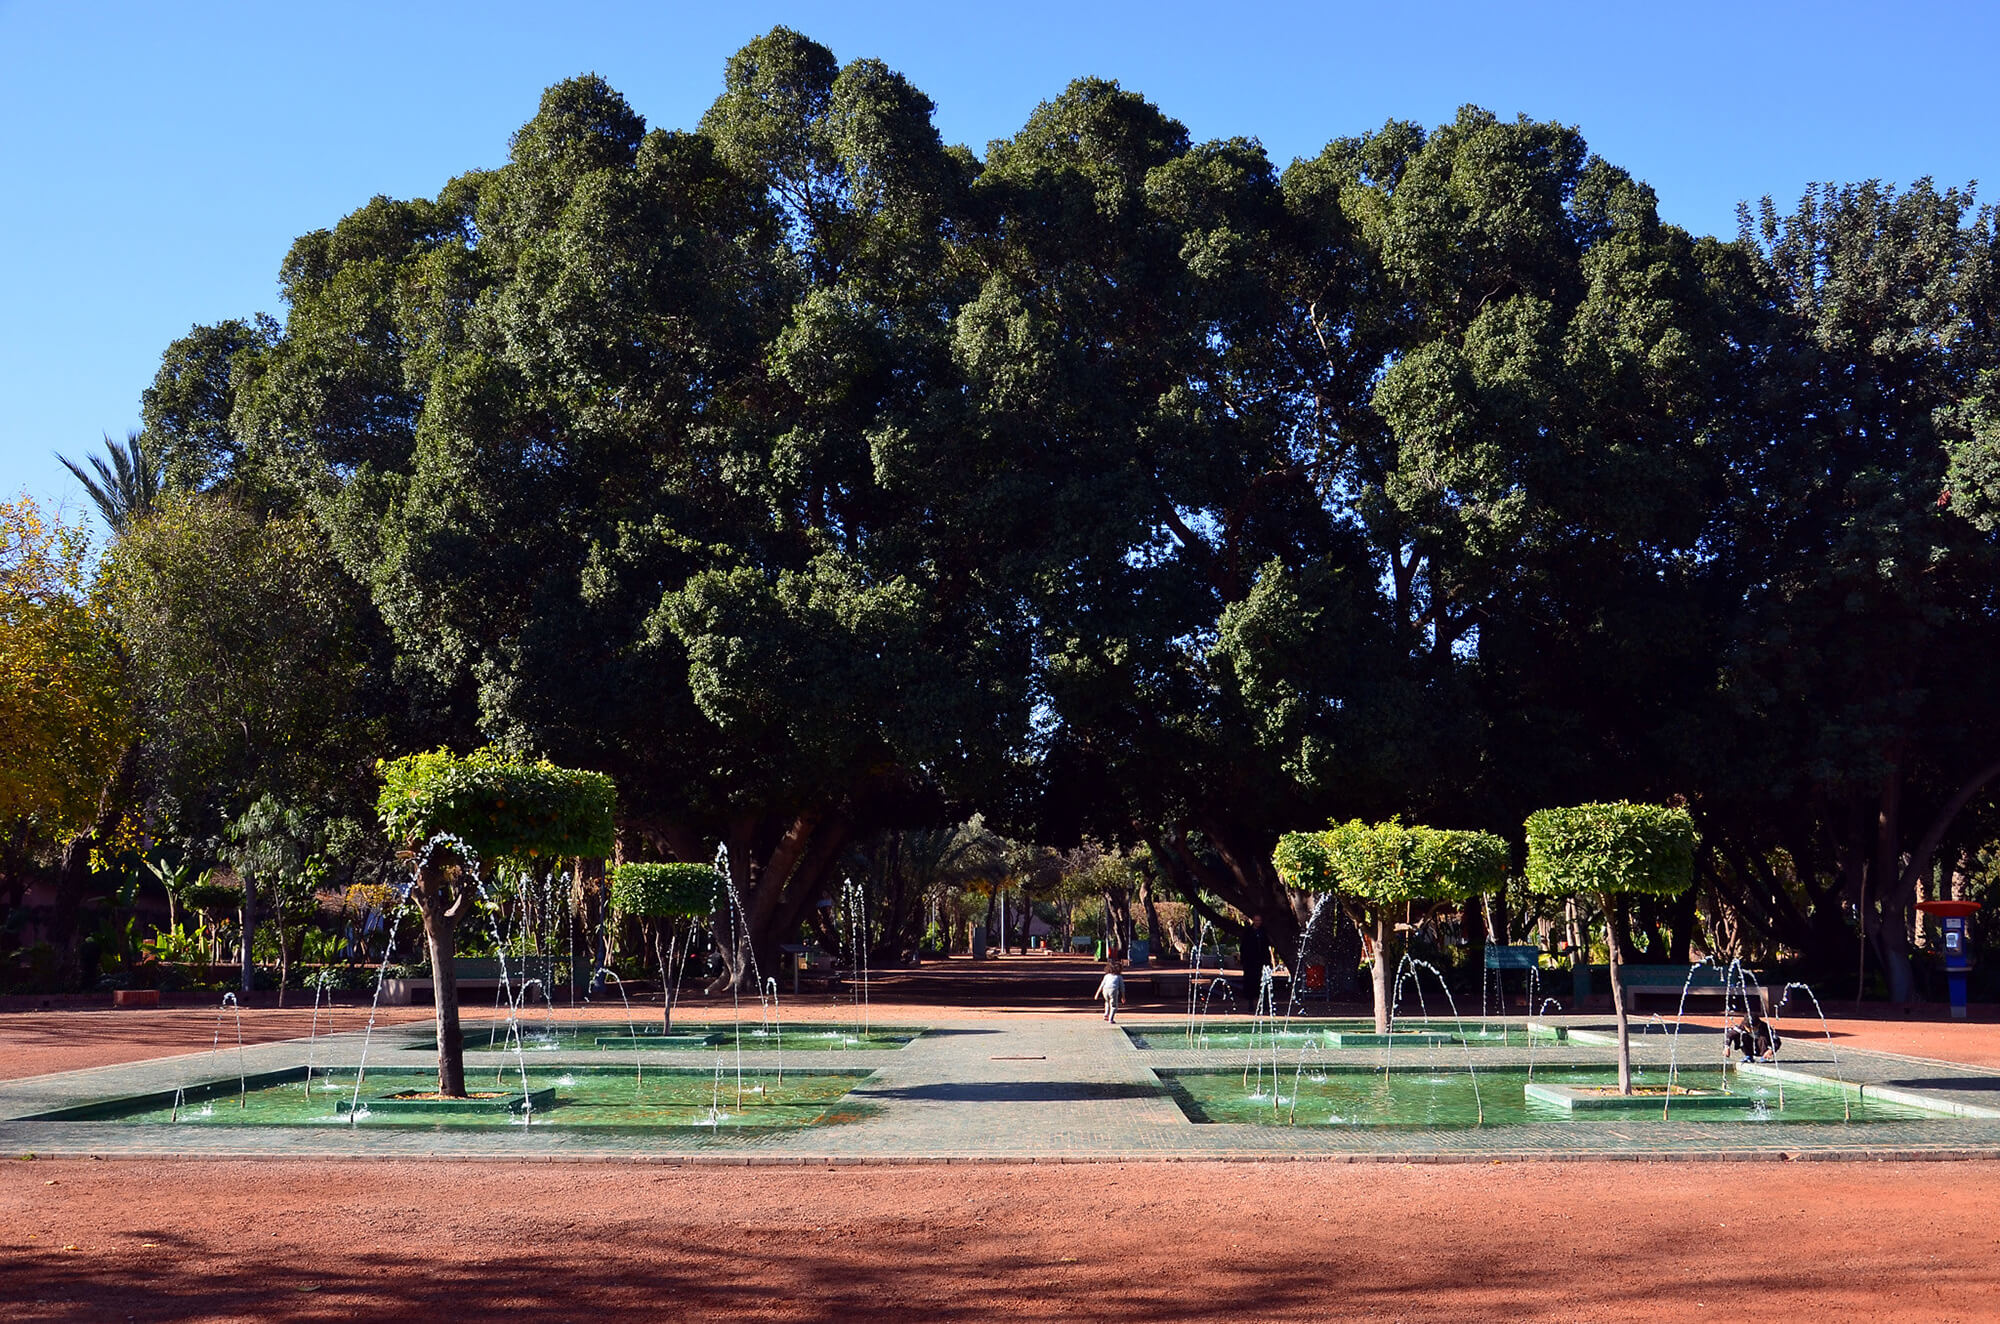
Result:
[{"x": 662, "y": 891}]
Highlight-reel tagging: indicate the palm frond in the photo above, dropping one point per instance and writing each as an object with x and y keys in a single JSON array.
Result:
[{"x": 125, "y": 489}]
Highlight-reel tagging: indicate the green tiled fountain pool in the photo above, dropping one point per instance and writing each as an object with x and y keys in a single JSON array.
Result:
[
  {"x": 1364, "y": 1097},
  {"x": 1301, "y": 1033},
  {"x": 618, "y": 1037},
  {"x": 593, "y": 1097}
]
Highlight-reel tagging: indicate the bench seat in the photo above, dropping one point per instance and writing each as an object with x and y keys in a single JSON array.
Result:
[{"x": 1669, "y": 980}]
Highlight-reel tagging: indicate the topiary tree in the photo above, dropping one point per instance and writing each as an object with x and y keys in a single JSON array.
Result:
[
  {"x": 1612, "y": 851},
  {"x": 655, "y": 892},
  {"x": 451, "y": 814},
  {"x": 1375, "y": 869}
]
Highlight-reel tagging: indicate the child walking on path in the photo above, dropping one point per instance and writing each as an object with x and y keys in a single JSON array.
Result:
[{"x": 1112, "y": 987}]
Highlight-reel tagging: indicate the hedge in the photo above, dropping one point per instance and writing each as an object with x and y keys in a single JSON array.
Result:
[{"x": 662, "y": 891}]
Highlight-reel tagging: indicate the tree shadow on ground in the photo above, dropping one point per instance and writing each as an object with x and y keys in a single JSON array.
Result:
[
  {"x": 1019, "y": 1091},
  {"x": 966, "y": 1270}
]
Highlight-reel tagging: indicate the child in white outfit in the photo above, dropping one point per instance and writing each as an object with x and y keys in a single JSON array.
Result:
[{"x": 1112, "y": 989}]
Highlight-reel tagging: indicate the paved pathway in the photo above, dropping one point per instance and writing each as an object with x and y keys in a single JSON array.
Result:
[{"x": 1045, "y": 1089}]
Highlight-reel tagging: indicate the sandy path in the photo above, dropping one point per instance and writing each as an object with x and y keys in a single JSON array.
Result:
[
  {"x": 244, "y": 1241},
  {"x": 32, "y": 1043},
  {"x": 1974, "y": 1042}
]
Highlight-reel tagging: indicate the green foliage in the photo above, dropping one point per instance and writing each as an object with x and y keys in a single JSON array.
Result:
[
  {"x": 1609, "y": 849},
  {"x": 498, "y": 807},
  {"x": 248, "y": 658},
  {"x": 272, "y": 842},
  {"x": 1389, "y": 864},
  {"x": 188, "y": 407},
  {"x": 125, "y": 489},
  {"x": 180, "y": 945},
  {"x": 206, "y": 895},
  {"x": 1973, "y": 441},
  {"x": 662, "y": 891},
  {"x": 1304, "y": 861}
]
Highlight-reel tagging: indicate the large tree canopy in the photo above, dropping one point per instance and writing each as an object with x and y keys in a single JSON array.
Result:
[{"x": 818, "y": 479}]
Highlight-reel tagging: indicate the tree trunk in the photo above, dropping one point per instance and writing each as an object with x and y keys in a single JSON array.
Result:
[
  {"x": 1156, "y": 933},
  {"x": 284, "y": 953},
  {"x": 73, "y": 870},
  {"x": 1614, "y": 942},
  {"x": 776, "y": 892},
  {"x": 1380, "y": 975},
  {"x": 666, "y": 978},
  {"x": 1683, "y": 920},
  {"x": 1893, "y": 891},
  {"x": 1256, "y": 890},
  {"x": 440, "y": 910},
  {"x": 246, "y": 939},
  {"x": 66, "y": 919},
  {"x": 1920, "y": 860}
]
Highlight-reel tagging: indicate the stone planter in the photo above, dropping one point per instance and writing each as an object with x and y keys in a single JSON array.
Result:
[
  {"x": 405, "y": 1105},
  {"x": 1646, "y": 1099}
]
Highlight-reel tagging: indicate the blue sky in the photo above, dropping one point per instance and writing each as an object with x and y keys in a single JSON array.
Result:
[{"x": 158, "y": 160}]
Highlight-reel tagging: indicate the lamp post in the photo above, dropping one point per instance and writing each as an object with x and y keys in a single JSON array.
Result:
[{"x": 1957, "y": 950}]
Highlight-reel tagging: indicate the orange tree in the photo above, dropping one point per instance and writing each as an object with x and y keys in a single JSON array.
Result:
[
  {"x": 1375, "y": 869},
  {"x": 451, "y": 815},
  {"x": 1611, "y": 851}
]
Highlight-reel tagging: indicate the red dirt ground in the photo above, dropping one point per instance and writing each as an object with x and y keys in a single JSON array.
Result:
[{"x": 400, "y": 1240}]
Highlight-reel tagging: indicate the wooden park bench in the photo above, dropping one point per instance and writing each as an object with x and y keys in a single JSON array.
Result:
[
  {"x": 1645, "y": 980},
  {"x": 476, "y": 974},
  {"x": 810, "y": 967}
]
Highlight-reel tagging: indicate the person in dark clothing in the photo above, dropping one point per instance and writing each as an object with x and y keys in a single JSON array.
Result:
[
  {"x": 1256, "y": 950},
  {"x": 1753, "y": 1037}
]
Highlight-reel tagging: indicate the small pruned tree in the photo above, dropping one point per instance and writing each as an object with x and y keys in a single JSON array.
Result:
[
  {"x": 1376, "y": 869},
  {"x": 657, "y": 895},
  {"x": 449, "y": 815},
  {"x": 1612, "y": 851}
]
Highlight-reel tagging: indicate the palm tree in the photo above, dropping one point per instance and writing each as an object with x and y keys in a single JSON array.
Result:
[{"x": 126, "y": 488}]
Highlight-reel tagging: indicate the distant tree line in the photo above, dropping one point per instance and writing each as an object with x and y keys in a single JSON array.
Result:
[{"x": 817, "y": 479}]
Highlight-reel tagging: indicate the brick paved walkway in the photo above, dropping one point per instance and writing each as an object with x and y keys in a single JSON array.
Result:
[{"x": 1044, "y": 1089}]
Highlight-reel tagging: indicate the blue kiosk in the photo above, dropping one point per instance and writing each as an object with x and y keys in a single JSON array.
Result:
[{"x": 1957, "y": 947}]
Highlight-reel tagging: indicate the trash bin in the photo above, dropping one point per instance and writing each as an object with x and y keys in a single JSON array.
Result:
[{"x": 1137, "y": 956}]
